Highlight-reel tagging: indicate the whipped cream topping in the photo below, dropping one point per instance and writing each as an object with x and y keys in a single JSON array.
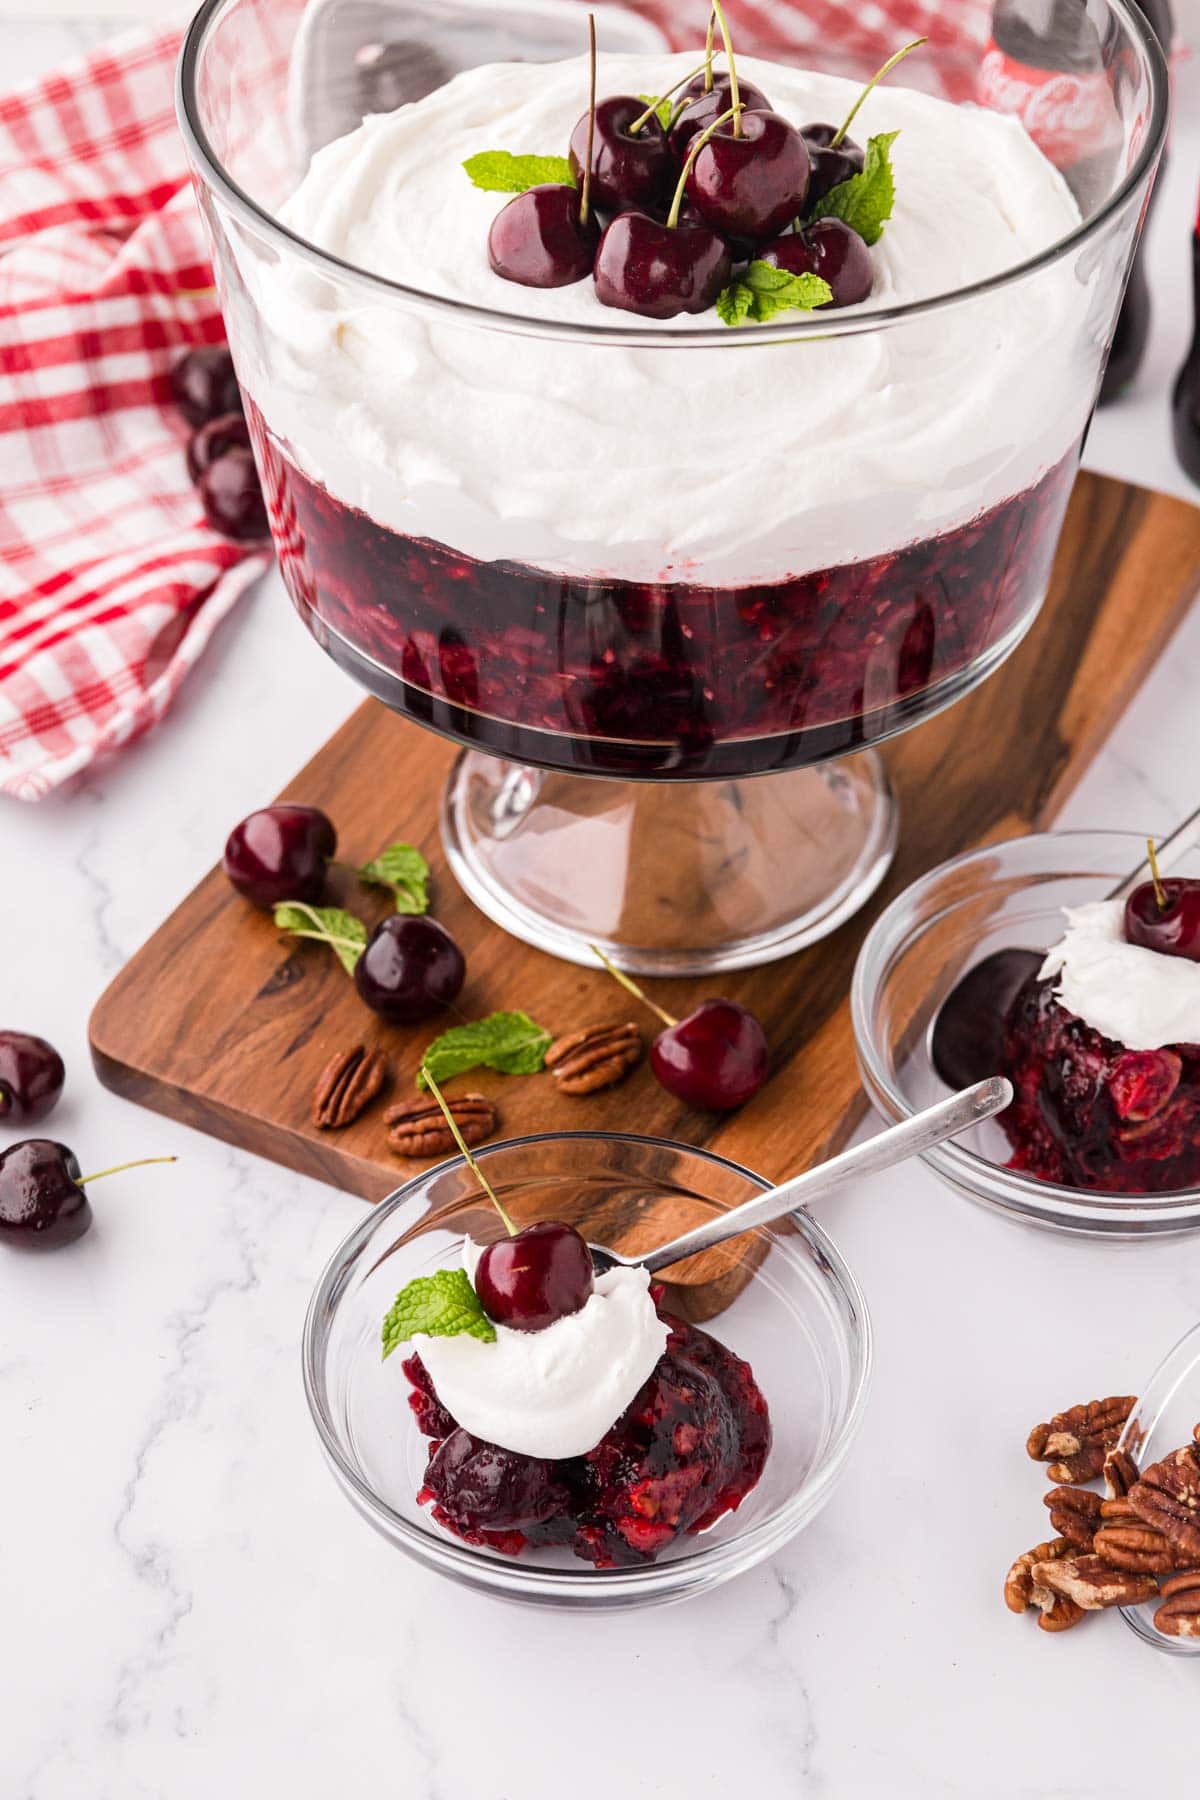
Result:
[
  {"x": 1140, "y": 997},
  {"x": 555, "y": 1392},
  {"x": 668, "y": 464}
]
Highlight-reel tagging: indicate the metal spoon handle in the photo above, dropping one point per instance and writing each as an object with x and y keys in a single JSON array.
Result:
[
  {"x": 912, "y": 1138},
  {"x": 1185, "y": 837}
]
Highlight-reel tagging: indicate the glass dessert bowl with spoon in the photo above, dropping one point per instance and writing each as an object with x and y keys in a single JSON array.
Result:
[{"x": 566, "y": 526}]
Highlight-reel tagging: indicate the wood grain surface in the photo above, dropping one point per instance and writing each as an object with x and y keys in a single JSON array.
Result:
[{"x": 222, "y": 1023}]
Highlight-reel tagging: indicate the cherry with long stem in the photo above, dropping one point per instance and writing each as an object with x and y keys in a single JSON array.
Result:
[
  {"x": 456, "y": 1134},
  {"x": 733, "y": 112},
  {"x": 879, "y": 76},
  {"x": 645, "y": 117}
]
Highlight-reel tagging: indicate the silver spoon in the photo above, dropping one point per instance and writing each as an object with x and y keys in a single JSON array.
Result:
[{"x": 912, "y": 1138}]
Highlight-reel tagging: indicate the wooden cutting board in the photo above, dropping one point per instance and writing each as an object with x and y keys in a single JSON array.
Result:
[{"x": 222, "y": 1023}]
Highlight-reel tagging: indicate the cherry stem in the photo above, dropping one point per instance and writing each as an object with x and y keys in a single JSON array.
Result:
[
  {"x": 887, "y": 68},
  {"x": 474, "y": 1167},
  {"x": 632, "y": 987},
  {"x": 119, "y": 1168},
  {"x": 696, "y": 147},
  {"x": 708, "y": 51},
  {"x": 643, "y": 118},
  {"x": 719, "y": 14},
  {"x": 1160, "y": 893},
  {"x": 586, "y": 187}
]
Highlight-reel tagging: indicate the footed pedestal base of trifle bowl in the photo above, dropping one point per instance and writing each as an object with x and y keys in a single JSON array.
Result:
[{"x": 671, "y": 879}]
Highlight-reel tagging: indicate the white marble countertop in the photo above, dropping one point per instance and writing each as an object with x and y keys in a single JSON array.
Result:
[{"x": 191, "y": 1608}]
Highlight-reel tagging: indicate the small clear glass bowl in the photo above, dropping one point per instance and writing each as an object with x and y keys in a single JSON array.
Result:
[
  {"x": 1162, "y": 1421},
  {"x": 782, "y": 1298},
  {"x": 1001, "y": 897}
]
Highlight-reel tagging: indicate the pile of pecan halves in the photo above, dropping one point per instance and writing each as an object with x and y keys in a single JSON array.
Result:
[{"x": 1138, "y": 1541}]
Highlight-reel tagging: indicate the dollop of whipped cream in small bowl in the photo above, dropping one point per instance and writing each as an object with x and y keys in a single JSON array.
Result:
[
  {"x": 551, "y": 1393},
  {"x": 1140, "y": 997}
]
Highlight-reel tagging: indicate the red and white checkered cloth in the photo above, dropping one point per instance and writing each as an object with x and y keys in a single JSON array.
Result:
[{"x": 111, "y": 583}]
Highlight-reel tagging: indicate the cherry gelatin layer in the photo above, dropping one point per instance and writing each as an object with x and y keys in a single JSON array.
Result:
[{"x": 629, "y": 679}]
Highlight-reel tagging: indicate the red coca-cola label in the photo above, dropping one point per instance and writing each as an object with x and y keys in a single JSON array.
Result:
[{"x": 1069, "y": 116}]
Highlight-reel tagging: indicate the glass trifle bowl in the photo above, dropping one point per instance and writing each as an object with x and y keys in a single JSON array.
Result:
[{"x": 627, "y": 569}]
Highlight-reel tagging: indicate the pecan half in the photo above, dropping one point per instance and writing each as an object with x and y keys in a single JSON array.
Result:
[
  {"x": 417, "y": 1127},
  {"x": 1179, "y": 1614},
  {"x": 1118, "y": 1512},
  {"x": 1137, "y": 1547},
  {"x": 346, "y": 1087},
  {"x": 1091, "y": 1584},
  {"x": 1075, "y": 1442},
  {"x": 1019, "y": 1591},
  {"x": 597, "y": 1057},
  {"x": 1074, "y": 1514},
  {"x": 1120, "y": 1472},
  {"x": 1168, "y": 1496}
]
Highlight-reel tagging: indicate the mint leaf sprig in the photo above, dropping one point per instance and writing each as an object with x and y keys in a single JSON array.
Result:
[
  {"x": 865, "y": 202},
  {"x": 402, "y": 868},
  {"x": 510, "y": 1042},
  {"x": 345, "y": 934},
  {"x": 501, "y": 172},
  {"x": 762, "y": 290},
  {"x": 443, "y": 1304}
]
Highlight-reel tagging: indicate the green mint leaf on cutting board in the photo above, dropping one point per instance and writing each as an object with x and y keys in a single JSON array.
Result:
[
  {"x": 345, "y": 935},
  {"x": 509, "y": 1042},
  {"x": 865, "y": 201},
  {"x": 762, "y": 290},
  {"x": 662, "y": 108},
  {"x": 439, "y": 1305},
  {"x": 402, "y": 868},
  {"x": 500, "y": 172}
]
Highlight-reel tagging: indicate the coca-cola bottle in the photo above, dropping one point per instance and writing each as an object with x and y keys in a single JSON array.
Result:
[
  {"x": 1046, "y": 62},
  {"x": 1186, "y": 398}
]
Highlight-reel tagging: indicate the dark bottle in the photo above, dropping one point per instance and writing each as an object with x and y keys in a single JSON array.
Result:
[
  {"x": 1047, "y": 63},
  {"x": 1186, "y": 398}
]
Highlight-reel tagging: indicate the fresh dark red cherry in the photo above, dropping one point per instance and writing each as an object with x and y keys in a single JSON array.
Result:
[
  {"x": 830, "y": 167},
  {"x": 212, "y": 441},
  {"x": 967, "y": 1042},
  {"x": 714, "y": 1059},
  {"x": 660, "y": 270},
  {"x": 232, "y": 498},
  {"x": 31, "y": 1077},
  {"x": 828, "y": 248},
  {"x": 539, "y": 240},
  {"x": 542, "y": 1274},
  {"x": 204, "y": 384},
  {"x": 752, "y": 185},
  {"x": 42, "y": 1204},
  {"x": 703, "y": 108},
  {"x": 411, "y": 968},
  {"x": 1172, "y": 928},
  {"x": 280, "y": 853},
  {"x": 628, "y": 169}
]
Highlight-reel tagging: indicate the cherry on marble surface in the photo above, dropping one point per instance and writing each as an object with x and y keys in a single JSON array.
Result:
[
  {"x": 540, "y": 1274},
  {"x": 232, "y": 497},
  {"x": 830, "y": 167},
  {"x": 1173, "y": 927},
  {"x": 828, "y": 248},
  {"x": 967, "y": 1041},
  {"x": 204, "y": 385},
  {"x": 753, "y": 183},
  {"x": 715, "y": 1059},
  {"x": 42, "y": 1202},
  {"x": 212, "y": 441},
  {"x": 31, "y": 1077},
  {"x": 539, "y": 239},
  {"x": 659, "y": 270},
  {"x": 280, "y": 853},
  {"x": 411, "y": 968}
]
